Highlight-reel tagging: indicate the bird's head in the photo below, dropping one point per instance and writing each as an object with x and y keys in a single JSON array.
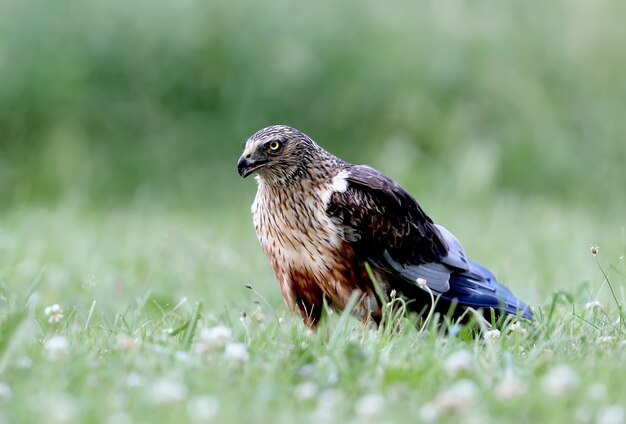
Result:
[{"x": 278, "y": 154}]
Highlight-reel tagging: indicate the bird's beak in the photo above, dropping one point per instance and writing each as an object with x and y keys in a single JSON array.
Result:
[{"x": 246, "y": 167}]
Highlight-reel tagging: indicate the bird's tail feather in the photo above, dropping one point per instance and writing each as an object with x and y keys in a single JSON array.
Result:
[{"x": 477, "y": 287}]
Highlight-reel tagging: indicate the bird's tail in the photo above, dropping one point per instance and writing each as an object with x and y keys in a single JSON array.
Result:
[{"x": 478, "y": 288}]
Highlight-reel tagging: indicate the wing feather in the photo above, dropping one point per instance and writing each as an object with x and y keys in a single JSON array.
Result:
[{"x": 388, "y": 227}]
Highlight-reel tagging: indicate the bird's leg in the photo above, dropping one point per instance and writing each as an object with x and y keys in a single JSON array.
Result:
[
  {"x": 311, "y": 314},
  {"x": 310, "y": 303}
]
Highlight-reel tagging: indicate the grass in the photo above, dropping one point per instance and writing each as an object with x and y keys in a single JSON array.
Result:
[{"x": 140, "y": 289}]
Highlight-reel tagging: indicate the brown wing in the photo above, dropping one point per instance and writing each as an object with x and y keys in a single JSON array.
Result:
[{"x": 384, "y": 223}]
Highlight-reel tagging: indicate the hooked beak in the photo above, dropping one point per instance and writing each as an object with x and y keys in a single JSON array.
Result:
[{"x": 246, "y": 167}]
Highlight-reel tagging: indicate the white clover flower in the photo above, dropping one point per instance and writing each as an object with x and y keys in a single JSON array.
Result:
[
  {"x": 60, "y": 408},
  {"x": 54, "y": 313},
  {"x": 370, "y": 406},
  {"x": 217, "y": 336},
  {"x": 517, "y": 328},
  {"x": 510, "y": 388},
  {"x": 604, "y": 340},
  {"x": 422, "y": 283},
  {"x": 305, "y": 391},
  {"x": 259, "y": 317},
  {"x": 203, "y": 409},
  {"x": 236, "y": 352},
  {"x": 166, "y": 392},
  {"x": 457, "y": 397},
  {"x": 613, "y": 414},
  {"x": 595, "y": 304},
  {"x": 492, "y": 335},
  {"x": 126, "y": 342},
  {"x": 458, "y": 362},
  {"x": 429, "y": 413},
  {"x": 327, "y": 402},
  {"x": 560, "y": 381},
  {"x": 57, "y": 347}
]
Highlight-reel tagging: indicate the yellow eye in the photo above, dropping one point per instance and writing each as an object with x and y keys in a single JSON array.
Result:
[{"x": 274, "y": 145}]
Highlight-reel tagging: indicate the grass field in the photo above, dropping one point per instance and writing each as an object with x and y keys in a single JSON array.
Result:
[{"x": 158, "y": 326}]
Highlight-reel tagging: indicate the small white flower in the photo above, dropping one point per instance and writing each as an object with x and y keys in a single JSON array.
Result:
[
  {"x": 458, "y": 362},
  {"x": 613, "y": 414},
  {"x": 560, "y": 380},
  {"x": 217, "y": 336},
  {"x": 595, "y": 304},
  {"x": 54, "y": 313},
  {"x": 305, "y": 391},
  {"x": 422, "y": 283},
  {"x": 259, "y": 317},
  {"x": 327, "y": 402},
  {"x": 457, "y": 397},
  {"x": 510, "y": 388},
  {"x": 5, "y": 392},
  {"x": 166, "y": 392},
  {"x": 492, "y": 336},
  {"x": 60, "y": 408},
  {"x": 126, "y": 342},
  {"x": 517, "y": 328},
  {"x": 370, "y": 406},
  {"x": 236, "y": 352},
  {"x": 429, "y": 413},
  {"x": 604, "y": 340},
  {"x": 57, "y": 347},
  {"x": 203, "y": 409}
]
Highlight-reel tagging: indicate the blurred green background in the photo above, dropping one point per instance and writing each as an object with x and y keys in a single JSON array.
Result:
[
  {"x": 110, "y": 102},
  {"x": 121, "y": 124}
]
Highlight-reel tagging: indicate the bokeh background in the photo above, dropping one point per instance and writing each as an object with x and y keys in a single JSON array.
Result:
[{"x": 506, "y": 120}]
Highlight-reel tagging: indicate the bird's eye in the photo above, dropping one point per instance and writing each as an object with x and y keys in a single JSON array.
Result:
[{"x": 274, "y": 145}]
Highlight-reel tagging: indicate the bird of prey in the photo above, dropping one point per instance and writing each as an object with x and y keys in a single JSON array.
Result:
[{"x": 320, "y": 220}]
